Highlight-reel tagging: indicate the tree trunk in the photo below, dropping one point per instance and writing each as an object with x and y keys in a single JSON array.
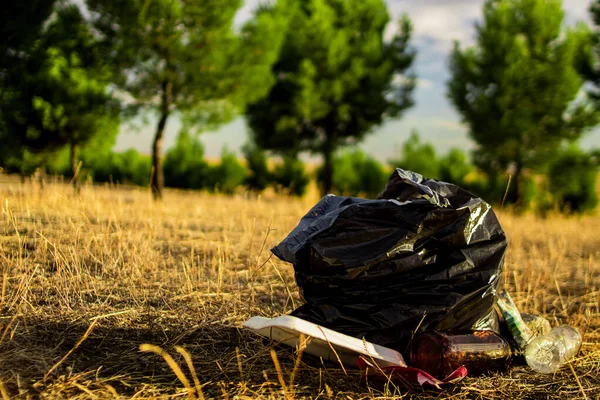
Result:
[
  {"x": 327, "y": 184},
  {"x": 74, "y": 169},
  {"x": 41, "y": 175},
  {"x": 514, "y": 190},
  {"x": 157, "y": 177},
  {"x": 517, "y": 178}
]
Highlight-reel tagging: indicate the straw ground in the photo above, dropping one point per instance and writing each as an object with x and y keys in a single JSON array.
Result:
[{"x": 109, "y": 295}]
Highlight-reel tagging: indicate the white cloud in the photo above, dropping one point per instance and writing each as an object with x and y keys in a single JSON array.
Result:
[
  {"x": 246, "y": 11},
  {"x": 576, "y": 10},
  {"x": 425, "y": 84},
  {"x": 440, "y": 22},
  {"x": 422, "y": 83},
  {"x": 449, "y": 125}
]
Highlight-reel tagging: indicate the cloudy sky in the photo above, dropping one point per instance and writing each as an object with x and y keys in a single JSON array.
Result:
[{"x": 437, "y": 23}]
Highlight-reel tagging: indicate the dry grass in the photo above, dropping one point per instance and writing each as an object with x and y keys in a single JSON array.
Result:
[{"x": 85, "y": 281}]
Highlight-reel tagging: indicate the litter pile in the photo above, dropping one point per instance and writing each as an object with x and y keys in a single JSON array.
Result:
[{"x": 414, "y": 272}]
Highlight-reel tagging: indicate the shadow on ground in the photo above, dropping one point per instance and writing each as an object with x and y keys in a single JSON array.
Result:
[
  {"x": 225, "y": 359},
  {"x": 229, "y": 362}
]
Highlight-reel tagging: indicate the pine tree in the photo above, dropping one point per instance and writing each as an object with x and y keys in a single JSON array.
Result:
[
  {"x": 184, "y": 57},
  {"x": 516, "y": 88},
  {"x": 337, "y": 78}
]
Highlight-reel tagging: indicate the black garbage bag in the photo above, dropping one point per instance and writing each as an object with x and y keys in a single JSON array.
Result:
[{"x": 425, "y": 255}]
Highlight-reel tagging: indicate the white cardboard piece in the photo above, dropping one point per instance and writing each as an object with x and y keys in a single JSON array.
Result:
[{"x": 325, "y": 343}]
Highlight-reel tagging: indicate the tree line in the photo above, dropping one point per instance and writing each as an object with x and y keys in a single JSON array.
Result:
[{"x": 310, "y": 76}]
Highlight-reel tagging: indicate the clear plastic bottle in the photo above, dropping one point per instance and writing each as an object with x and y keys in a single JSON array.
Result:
[
  {"x": 549, "y": 352},
  {"x": 537, "y": 324}
]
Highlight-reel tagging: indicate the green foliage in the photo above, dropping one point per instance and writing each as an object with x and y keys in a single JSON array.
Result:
[
  {"x": 185, "y": 166},
  {"x": 595, "y": 156},
  {"x": 336, "y": 79},
  {"x": 259, "y": 175},
  {"x": 291, "y": 176},
  {"x": 357, "y": 174},
  {"x": 490, "y": 187},
  {"x": 127, "y": 167},
  {"x": 572, "y": 180},
  {"x": 418, "y": 156},
  {"x": 99, "y": 146},
  {"x": 25, "y": 162},
  {"x": 516, "y": 88},
  {"x": 229, "y": 174},
  {"x": 21, "y": 23},
  {"x": 185, "y": 57},
  {"x": 589, "y": 56},
  {"x": 59, "y": 91},
  {"x": 493, "y": 187},
  {"x": 58, "y": 163},
  {"x": 100, "y": 164},
  {"x": 95, "y": 156},
  {"x": 542, "y": 201},
  {"x": 454, "y": 167}
]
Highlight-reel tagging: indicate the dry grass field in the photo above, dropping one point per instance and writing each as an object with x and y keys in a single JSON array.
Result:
[{"x": 86, "y": 280}]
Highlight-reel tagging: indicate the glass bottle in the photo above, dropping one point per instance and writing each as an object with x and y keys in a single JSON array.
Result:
[
  {"x": 440, "y": 353},
  {"x": 518, "y": 329}
]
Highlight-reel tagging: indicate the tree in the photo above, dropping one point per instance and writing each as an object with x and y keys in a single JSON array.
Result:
[
  {"x": 259, "y": 175},
  {"x": 185, "y": 166},
  {"x": 589, "y": 62},
  {"x": 229, "y": 174},
  {"x": 99, "y": 147},
  {"x": 337, "y": 78},
  {"x": 572, "y": 177},
  {"x": 77, "y": 83},
  {"x": 290, "y": 175},
  {"x": 60, "y": 94},
  {"x": 183, "y": 57},
  {"x": 516, "y": 88},
  {"x": 454, "y": 167},
  {"x": 418, "y": 156},
  {"x": 357, "y": 173},
  {"x": 20, "y": 26},
  {"x": 595, "y": 156}
]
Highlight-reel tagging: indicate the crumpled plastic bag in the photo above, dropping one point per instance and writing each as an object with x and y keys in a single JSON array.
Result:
[{"x": 426, "y": 255}]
